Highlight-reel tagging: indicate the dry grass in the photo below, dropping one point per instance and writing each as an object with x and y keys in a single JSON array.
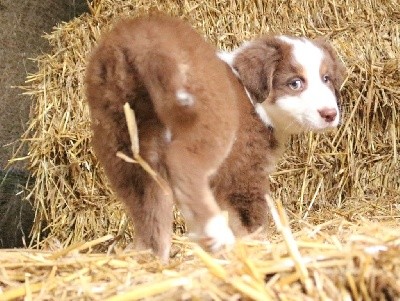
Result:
[
  {"x": 341, "y": 189},
  {"x": 337, "y": 260}
]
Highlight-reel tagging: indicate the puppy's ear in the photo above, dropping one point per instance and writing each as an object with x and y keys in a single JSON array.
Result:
[
  {"x": 255, "y": 63},
  {"x": 339, "y": 70}
]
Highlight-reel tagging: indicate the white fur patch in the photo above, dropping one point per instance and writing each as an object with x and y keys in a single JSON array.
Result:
[
  {"x": 184, "y": 98},
  {"x": 228, "y": 57},
  {"x": 263, "y": 115},
  {"x": 218, "y": 234},
  {"x": 167, "y": 136}
]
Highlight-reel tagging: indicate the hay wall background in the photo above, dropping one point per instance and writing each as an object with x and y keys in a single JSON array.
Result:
[{"x": 353, "y": 173}]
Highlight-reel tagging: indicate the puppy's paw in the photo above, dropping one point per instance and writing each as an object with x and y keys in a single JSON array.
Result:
[{"x": 217, "y": 234}]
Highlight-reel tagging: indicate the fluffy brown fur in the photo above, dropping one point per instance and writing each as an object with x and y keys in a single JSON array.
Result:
[
  {"x": 197, "y": 128},
  {"x": 146, "y": 62}
]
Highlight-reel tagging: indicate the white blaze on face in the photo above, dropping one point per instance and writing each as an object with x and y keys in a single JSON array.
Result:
[{"x": 302, "y": 112}]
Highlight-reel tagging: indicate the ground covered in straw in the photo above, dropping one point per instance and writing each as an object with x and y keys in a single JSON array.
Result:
[
  {"x": 339, "y": 261},
  {"x": 341, "y": 190}
]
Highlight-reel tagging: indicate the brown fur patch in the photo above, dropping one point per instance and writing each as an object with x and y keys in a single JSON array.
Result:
[
  {"x": 331, "y": 65},
  {"x": 138, "y": 62}
]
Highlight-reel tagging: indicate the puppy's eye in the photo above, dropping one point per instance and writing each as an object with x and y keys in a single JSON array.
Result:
[
  {"x": 326, "y": 78},
  {"x": 296, "y": 84}
]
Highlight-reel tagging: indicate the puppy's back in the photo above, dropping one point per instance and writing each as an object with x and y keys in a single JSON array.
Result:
[{"x": 187, "y": 121}]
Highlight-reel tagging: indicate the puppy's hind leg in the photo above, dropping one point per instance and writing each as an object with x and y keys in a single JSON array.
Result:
[
  {"x": 153, "y": 220},
  {"x": 190, "y": 180}
]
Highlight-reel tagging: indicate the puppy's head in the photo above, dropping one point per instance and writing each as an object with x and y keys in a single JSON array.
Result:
[{"x": 296, "y": 80}]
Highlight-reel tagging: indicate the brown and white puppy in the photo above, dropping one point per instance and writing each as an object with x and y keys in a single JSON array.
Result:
[
  {"x": 214, "y": 131},
  {"x": 293, "y": 86}
]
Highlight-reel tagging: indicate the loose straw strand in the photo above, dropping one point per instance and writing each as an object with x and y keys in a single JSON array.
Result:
[
  {"x": 282, "y": 224},
  {"x": 137, "y": 159}
]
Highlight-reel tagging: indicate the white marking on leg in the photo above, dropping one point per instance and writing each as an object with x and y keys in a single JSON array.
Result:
[{"x": 217, "y": 233}]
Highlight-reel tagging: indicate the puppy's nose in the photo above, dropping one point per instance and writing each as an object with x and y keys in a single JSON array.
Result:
[{"x": 328, "y": 114}]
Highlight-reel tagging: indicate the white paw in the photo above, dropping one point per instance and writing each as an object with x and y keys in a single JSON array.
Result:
[{"x": 217, "y": 234}]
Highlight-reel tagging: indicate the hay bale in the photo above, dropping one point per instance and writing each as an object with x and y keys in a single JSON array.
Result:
[
  {"x": 339, "y": 266},
  {"x": 16, "y": 214},
  {"x": 341, "y": 189},
  {"x": 352, "y": 172}
]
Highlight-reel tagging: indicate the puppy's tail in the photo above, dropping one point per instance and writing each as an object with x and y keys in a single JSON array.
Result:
[
  {"x": 118, "y": 73},
  {"x": 167, "y": 79}
]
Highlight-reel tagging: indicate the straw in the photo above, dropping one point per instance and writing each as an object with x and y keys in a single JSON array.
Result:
[
  {"x": 340, "y": 190},
  {"x": 137, "y": 159}
]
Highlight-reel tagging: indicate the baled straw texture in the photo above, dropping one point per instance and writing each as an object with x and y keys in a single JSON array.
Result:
[
  {"x": 337, "y": 260},
  {"x": 353, "y": 172},
  {"x": 341, "y": 189}
]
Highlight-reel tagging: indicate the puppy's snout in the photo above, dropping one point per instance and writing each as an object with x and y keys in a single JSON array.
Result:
[{"x": 328, "y": 114}]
